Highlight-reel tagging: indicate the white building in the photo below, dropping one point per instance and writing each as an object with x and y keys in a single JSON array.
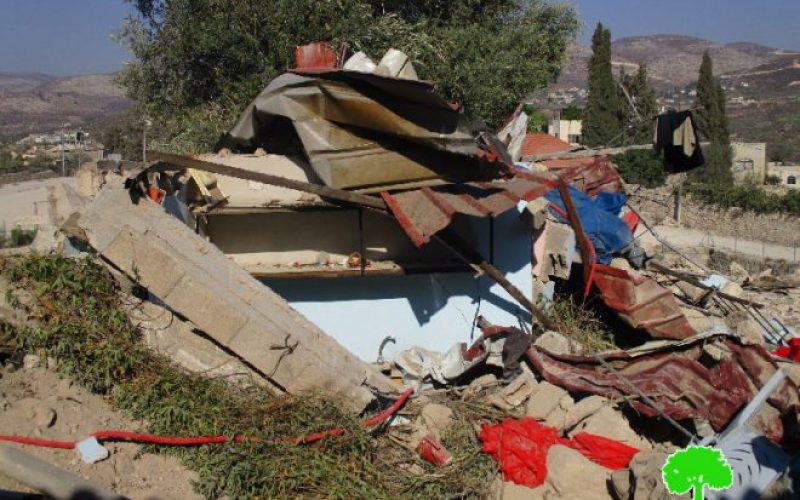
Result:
[
  {"x": 789, "y": 175},
  {"x": 567, "y": 130},
  {"x": 749, "y": 161}
]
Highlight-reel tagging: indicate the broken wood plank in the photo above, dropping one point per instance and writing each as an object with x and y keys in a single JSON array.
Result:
[
  {"x": 575, "y": 222},
  {"x": 585, "y": 153},
  {"x": 274, "y": 180}
]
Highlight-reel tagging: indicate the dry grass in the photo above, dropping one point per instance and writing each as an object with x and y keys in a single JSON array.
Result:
[{"x": 581, "y": 324}]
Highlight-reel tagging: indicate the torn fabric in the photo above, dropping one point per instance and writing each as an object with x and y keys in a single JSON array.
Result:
[{"x": 709, "y": 377}]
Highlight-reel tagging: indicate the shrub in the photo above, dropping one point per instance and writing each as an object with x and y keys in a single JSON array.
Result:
[
  {"x": 641, "y": 166},
  {"x": 746, "y": 197}
]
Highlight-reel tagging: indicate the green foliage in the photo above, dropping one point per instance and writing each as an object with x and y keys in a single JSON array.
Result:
[
  {"x": 85, "y": 328},
  {"x": 746, "y": 197},
  {"x": 635, "y": 90},
  {"x": 717, "y": 169},
  {"x": 641, "y": 166},
  {"x": 712, "y": 125},
  {"x": 601, "y": 118},
  {"x": 580, "y": 323},
  {"x": 83, "y": 325},
  {"x": 80, "y": 323},
  {"x": 572, "y": 112},
  {"x": 696, "y": 468},
  {"x": 537, "y": 122},
  {"x": 9, "y": 161},
  {"x": 772, "y": 180},
  {"x": 18, "y": 237},
  {"x": 200, "y": 62}
]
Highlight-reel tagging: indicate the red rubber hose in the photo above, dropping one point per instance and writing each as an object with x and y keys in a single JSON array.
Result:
[{"x": 135, "y": 437}]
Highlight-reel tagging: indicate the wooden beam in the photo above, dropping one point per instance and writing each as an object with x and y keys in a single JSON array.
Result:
[
  {"x": 274, "y": 180},
  {"x": 575, "y": 222},
  {"x": 461, "y": 248},
  {"x": 583, "y": 153}
]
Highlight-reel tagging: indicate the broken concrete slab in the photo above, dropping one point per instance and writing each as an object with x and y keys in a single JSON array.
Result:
[
  {"x": 515, "y": 393},
  {"x": 556, "y": 343},
  {"x": 571, "y": 475},
  {"x": 585, "y": 408},
  {"x": 642, "y": 479},
  {"x": 610, "y": 423},
  {"x": 167, "y": 334},
  {"x": 545, "y": 400},
  {"x": 199, "y": 282}
]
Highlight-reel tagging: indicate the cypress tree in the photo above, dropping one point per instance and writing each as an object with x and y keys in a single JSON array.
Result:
[
  {"x": 638, "y": 122},
  {"x": 601, "y": 120},
  {"x": 712, "y": 124}
]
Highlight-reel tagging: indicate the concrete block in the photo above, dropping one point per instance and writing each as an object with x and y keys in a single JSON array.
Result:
[
  {"x": 544, "y": 400},
  {"x": 212, "y": 312},
  {"x": 195, "y": 279},
  {"x": 145, "y": 262},
  {"x": 571, "y": 475}
]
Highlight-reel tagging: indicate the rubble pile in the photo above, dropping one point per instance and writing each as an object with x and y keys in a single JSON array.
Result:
[{"x": 358, "y": 178}]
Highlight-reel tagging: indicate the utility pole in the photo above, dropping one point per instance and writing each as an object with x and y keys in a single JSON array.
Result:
[
  {"x": 79, "y": 146},
  {"x": 147, "y": 124},
  {"x": 63, "y": 155}
]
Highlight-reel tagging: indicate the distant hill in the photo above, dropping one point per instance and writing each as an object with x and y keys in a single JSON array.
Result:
[
  {"x": 762, "y": 83},
  {"x": 672, "y": 60},
  {"x": 21, "y": 81},
  {"x": 38, "y": 103}
]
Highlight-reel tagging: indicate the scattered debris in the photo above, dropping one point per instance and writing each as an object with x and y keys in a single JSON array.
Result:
[
  {"x": 584, "y": 338},
  {"x": 521, "y": 448}
]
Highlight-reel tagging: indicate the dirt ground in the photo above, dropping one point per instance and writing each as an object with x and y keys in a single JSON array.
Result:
[
  {"x": 26, "y": 201},
  {"x": 35, "y": 402}
]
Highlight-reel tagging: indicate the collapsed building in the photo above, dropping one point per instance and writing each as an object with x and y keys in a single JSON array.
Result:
[{"x": 355, "y": 233}]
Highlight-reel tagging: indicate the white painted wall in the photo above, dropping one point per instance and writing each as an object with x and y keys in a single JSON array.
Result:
[{"x": 432, "y": 311}]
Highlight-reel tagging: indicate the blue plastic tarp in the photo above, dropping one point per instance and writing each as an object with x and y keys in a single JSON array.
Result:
[{"x": 599, "y": 218}]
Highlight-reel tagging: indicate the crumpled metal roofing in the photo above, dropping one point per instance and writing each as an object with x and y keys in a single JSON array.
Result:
[
  {"x": 642, "y": 303},
  {"x": 424, "y": 212},
  {"x": 367, "y": 131},
  {"x": 593, "y": 178},
  {"x": 710, "y": 377}
]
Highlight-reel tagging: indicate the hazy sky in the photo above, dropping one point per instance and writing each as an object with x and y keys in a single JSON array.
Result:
[{"x": 66, "y": 37}]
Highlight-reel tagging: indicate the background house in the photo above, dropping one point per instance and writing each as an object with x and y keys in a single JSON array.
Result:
[
  {"x": 789, "y": 175},
  {"x": 749, "y": 161}
]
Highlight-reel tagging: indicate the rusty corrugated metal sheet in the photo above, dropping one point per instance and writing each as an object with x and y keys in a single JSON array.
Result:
[
  {"x": 424, "y": 212},
  {"x": 596, "y": 177},
  {"x": 642, "y": 303},
  {"x": 684, "y": 380}
]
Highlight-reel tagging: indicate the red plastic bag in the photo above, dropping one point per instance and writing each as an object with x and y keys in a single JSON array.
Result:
[
  {"x": 520, "y": 448},
  {"x": 792, "y": 351}
]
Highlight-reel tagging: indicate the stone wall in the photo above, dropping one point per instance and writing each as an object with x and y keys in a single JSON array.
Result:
[{"x": 658, "y": 206}]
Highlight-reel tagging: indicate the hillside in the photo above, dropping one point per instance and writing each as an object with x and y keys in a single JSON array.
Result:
[
  {"x": 762, "y": 83},
  {"x": 672, "y": 60},
  {"x": 37, "y": 103},
  {"x": 777, "y": 78}
]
